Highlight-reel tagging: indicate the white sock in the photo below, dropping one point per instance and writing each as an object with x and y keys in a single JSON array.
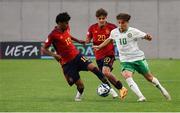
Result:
[
  {"x": 113, "y": 92},
  {"x": 161, "y": 88},
  {"x": 156, "y": 83},
  {"x": 134, "y": 87},
  {"x": 78, "y": 95}
]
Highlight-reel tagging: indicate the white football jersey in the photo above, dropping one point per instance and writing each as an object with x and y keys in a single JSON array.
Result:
[{"x": 127, "y": 44}]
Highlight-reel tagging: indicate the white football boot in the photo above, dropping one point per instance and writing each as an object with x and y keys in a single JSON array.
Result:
[
  {"x": 142, "y": 99},
  {"x": 113, "y": 93},
  {"x": 165, "y": 93},
  {"x": 78, "y": 97}
]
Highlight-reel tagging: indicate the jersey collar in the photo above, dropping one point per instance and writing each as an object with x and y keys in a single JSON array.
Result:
[{"x": 124, "y": 31}]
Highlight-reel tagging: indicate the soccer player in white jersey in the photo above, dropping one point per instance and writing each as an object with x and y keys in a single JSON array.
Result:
[{"x": 131, "y": 57}]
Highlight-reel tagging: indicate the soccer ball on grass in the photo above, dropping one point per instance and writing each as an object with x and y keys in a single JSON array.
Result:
[{"x": 103, "y": 90}]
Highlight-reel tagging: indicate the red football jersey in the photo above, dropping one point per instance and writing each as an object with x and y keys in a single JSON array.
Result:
[
  {"x": 63, "y": 45},
  {"x": 99, "y": 35}
]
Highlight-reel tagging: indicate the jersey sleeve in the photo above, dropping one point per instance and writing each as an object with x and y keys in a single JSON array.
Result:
[
  {"x": 111, "y": 36},
  {"x": 138, "y": 34},
  {"x": 48, "y": 41}
]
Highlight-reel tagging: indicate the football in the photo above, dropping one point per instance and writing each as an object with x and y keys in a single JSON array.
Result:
[{"x": 103, "y": 90}]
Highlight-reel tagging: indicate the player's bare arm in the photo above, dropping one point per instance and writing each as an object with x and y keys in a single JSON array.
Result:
[
  {"x": 77, "y": 40},
  {"x": 106, "y": 42},
  {"x": 46, "y": 50},
  {"x": 148, "y": 37},
  {"x": 88, "y": 40}
]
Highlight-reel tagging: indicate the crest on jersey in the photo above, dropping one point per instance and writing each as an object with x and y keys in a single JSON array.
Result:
[
  {"x": 60, "y": 36},
  {"x": 129, "y": 35},
  {"x": 107, "y": 31}
]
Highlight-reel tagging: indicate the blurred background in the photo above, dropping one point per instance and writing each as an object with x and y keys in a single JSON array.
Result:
[
  {"x": 39, "y": 85},
  {"x": 33, "y": 20}
]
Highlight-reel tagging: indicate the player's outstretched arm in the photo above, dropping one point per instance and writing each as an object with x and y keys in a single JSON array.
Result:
[
  {"x": 46, "y": 50},
  {"x": 148, "y": 37},
  {"x": 77, "y": 40},
  {"x": 88, "y": 40},
  {"x": 106, "y": 42}
]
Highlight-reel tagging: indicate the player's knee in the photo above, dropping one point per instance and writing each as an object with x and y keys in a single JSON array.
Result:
[
  {"x": 106, "y": 73},
  {"x": 148, "y": 77},
  {"x": 94, "y": 69},
  {"x": 70, "y": 83},
  {"x": 69, "y": 80},
  {"x": 91, "y": 67},
  {"x": 126, "y": 74}
]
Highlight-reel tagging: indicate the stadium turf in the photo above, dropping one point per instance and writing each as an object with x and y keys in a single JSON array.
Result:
[{"x": 39, "y": 85}]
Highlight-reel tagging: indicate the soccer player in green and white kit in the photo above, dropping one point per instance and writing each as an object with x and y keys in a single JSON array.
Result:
[{"x": 131, "y": 57}]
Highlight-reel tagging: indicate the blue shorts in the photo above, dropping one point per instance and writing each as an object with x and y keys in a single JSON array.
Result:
[{"x": 71, "y": 69}]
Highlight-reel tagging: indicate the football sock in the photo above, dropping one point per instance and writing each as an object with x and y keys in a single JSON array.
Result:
[
  {"x": 134, "y": 87},
  {"x": 100, "y": 75},
  {"x": 161, "y": 88},
  {"x": 113, "y": 92},
  {"x": 80, "y": 90},
  {"x": 156, "y": 83},
  {"x": 118, "y": 85},
  {"x": 78, "y": 96}
]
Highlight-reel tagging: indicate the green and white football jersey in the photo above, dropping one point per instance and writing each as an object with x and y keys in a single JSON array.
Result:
[{"x": 127, "y": 44}]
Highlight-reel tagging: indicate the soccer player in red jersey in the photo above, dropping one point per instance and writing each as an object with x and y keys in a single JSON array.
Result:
[
  {"x": 68, "y": 56},
  {"x": 105, "y": 57}
]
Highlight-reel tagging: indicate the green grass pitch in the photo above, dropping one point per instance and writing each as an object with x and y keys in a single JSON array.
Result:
[{"x": 39, "y": 85}]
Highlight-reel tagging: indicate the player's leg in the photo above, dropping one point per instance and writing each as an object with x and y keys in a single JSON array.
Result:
[
  {"x": 156, "y": 83},
  {"x": 127, "y": 73},
  {"x": 132, "y": 84},
  {"x": 100, "y": 64},
  {"x": 91, "y": 67},
  {"x": 80, "y": 90},
  {"x": 84, "y": 64},
  {"x": 143, "y": 68},
  {"x": 106, "y": 72},
  {"x": 107, "y": 68},
  {"x": 99, "y": 74},
  {"x": 72, "y": 76},
  {"x": 122, "y": 90}
]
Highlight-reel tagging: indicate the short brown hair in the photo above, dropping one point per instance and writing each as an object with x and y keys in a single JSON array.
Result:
[
  {"x": 101, "y": 12},
  {"x": 123, "y": 16}
]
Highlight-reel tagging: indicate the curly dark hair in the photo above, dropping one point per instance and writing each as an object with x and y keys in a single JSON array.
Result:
[
  {"x": 101, "y": 12},
  {"x": 62, "y": 17},
  {"x": 124, "y": 16}
]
